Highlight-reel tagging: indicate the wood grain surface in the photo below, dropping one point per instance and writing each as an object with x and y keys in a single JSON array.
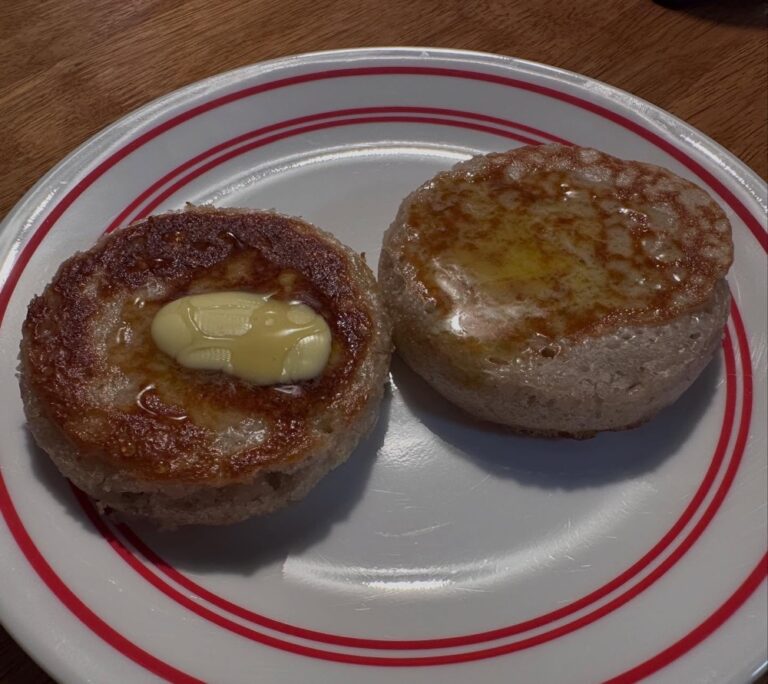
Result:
[{"x": 70, "y": 67}]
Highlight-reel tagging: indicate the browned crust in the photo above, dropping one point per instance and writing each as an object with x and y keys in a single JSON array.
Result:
[
  {"x": 185, "y": 252},
  {"x": 702, "y": 231}
]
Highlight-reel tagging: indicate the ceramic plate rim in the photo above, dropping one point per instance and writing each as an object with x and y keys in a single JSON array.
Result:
[{"x": 100, "y": 144}]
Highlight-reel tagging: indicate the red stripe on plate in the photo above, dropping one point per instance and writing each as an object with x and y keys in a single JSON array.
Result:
[
  {"x": 465, "y": 640},
  {"x": 422, "y": 643},
  {"x": 200, "y": 170},
  {"x": 745, "y": 590},
  {"x": 699, "y": 633},
  {"x": 6, "y": 504},
  {"x": 738, "y": 207},
  {"x": 76, "y": 606},
  {"x": 358, "y": 111},
  {"x": 752, "y": 223},
  {"x": 504, "y": 649}
]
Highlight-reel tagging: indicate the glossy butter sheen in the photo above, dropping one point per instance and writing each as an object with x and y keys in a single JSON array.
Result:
[
  {"x": 548, "y": 255},
  {"x": 251, "y": 336}
]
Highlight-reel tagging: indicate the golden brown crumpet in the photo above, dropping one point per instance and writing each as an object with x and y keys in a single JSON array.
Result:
[
  {"x": 557, "y": 289},
  {"x": 145, "y": 435}
]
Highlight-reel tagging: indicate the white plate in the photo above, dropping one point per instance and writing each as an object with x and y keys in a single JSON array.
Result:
[{"x": 442, "y": 551}]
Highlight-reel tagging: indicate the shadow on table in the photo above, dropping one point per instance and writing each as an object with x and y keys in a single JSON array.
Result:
[
  {"x": 735, "y": 12},
  {"x": 560, "y": 463},
  {"x": 243, "y": 547}
]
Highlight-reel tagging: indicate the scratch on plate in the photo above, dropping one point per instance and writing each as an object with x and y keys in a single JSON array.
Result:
[
  {"x": 479, "y": 483},
  {"x": 414, "y": 533}
]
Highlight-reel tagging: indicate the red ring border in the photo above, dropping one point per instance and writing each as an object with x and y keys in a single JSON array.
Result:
[
  {"x": 632, "y": 592},
  {"x": 301, "y": 120},
  {"x": 15, "y": 525},
  {"x": 343, "y": 640}
]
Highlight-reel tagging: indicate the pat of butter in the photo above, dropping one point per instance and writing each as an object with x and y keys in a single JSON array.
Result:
[{"x": 252, "y": 336}]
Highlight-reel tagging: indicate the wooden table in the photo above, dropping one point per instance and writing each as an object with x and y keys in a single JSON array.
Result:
[{"x": 70, "y": 67}]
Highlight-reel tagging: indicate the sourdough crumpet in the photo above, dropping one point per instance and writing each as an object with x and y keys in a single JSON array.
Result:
[
  {"x": 146, "y": 435},
  {"x": 558, "y": 290}
]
